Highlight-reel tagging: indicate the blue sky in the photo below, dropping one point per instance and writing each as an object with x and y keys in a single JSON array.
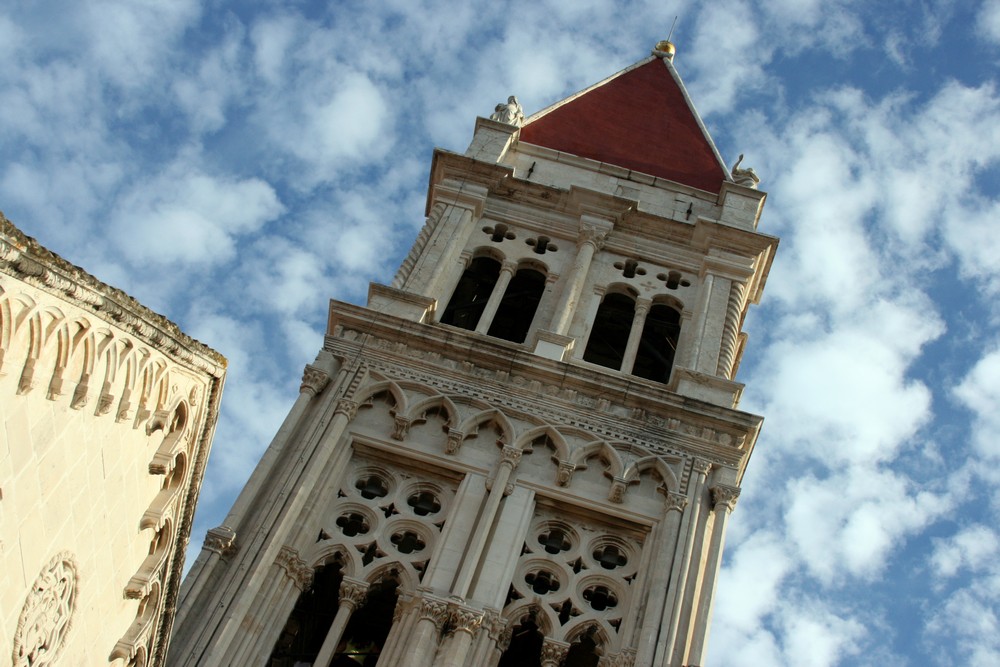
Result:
[{"x": 234, "y": 165}]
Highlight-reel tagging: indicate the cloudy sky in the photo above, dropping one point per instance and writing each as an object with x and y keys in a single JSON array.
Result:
[{"x": 234, "y": 165}]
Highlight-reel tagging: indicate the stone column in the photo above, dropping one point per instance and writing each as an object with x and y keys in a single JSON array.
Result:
[
  {"x": 635, "y": 335},
  {"x": 509, "y": 458},
  {"x": 496, "y": 296},
  {"x": 666, "y": 545},
  {"x": 403, "y": 619},
  {"x": 724, "y": 500},
  {"x": 314, "y": 381},
  {"x": 553, "y": 652},
  {"x": 591, "y": 240},
  {"x": 352, "y": 596},
  {"x": 731, "y": 329},
  {"x": 667, "y": 640},
  {"x": 492, "y": 628},
  {"x": 433, "y": 613},
  {"x": 465, "y": 623}
]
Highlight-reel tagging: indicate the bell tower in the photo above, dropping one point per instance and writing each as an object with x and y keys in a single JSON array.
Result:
[{"x": 525, "y": 450}]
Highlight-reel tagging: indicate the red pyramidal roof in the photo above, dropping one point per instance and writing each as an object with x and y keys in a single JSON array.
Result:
[{"x": 639, "y": 119}]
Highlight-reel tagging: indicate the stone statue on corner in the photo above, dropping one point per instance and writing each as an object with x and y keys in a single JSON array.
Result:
[{"x": 510, "y": 113}]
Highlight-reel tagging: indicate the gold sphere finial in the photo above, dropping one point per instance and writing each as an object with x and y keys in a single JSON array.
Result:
[{"x": 664, "y": 49}]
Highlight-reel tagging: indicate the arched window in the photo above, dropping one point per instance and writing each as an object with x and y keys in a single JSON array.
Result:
[
  {"x": 525, "y": 648},
  {"x": 310, "y": 620},
  {"x": 366, "y": 632},
  {"x": 583, "y": 653},
  {"x": 610, "y": 331},
  {"x": 655, "y": 356},
  {"x": 518, "y": 306},
  {"x": 473, "y": 291}
]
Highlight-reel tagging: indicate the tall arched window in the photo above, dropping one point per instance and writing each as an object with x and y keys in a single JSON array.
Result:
[
  {"x": 610, "y": 331},
  {"x": 310, "y": 620},
  {"x": 658, "y": 344},
  {"x": 366, "y": 632},
  {"x": 473, "y": 291},
  {"x": 525, "y": 648},
  {"x": 517, "y": 308}
]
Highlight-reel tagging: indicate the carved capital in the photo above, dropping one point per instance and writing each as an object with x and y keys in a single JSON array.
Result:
[
  {"x": 434, "y": 610},
  {"x": 724, "y": 497},
  {"x": 701, "y": 466},
  {"x": 297, "y": 569},
  {"x": 511, "y": 455},
  {"x": 465, "y": 619},
  {"x": 455, "y": 439},
  {"x": 314, "y": 380},
  {"x": 347, "y": 408},
  {"x": 400, "y": 427},
  {"x": 593, "y": 236},
  {"x": 221, "y": 540},
  {"x": 675, "y": 501},
  {"x": 494, "y": 624},
  {"x": 353, "y": 593},
  {"x": 553, "y": 652},
  {"x": 565, "y": 473},
  {"x": 617, "y": 492}
]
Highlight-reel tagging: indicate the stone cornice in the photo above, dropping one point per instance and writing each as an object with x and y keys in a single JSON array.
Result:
[
  {"x": 23, "y": 258},
  {"x": 618, "y": 407}
]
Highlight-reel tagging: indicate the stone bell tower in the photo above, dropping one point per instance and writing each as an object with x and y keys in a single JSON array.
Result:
[{"x": 524, "y": 451}]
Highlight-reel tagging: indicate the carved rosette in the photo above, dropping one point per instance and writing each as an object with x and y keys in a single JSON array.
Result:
[
  {"x": 553, "y": 652},
  {"x": 724, "y": 497},
  {"x": 435, "y": 611},
  {"x": 221, "y": 540},
  {"x": 47, "y": 614},
  {"x": 314, "y": 380},
  {"x": 297, "y": 569},
  {"x": 353, "y": 593}
]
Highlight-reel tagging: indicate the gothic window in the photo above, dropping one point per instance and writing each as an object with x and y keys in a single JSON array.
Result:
[
  {"x": 583, "y": 653},
  {"x": 610, "y": 331},
  {"x": 366, "y": 632},
  {"x": 517, "y": 308},
  {"x": 655, "y": 356},
  {"x": 310, "y": 620},
  {"x": 473, "y": 291},
  {"x": 525, "y": 648}
]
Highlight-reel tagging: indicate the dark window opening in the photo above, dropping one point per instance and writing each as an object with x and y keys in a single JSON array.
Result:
[
  {"x": 372, "y": 487},
  {"x": 583, "y": 653},
  {"x": 525, "y": 649},
  {"x": 609, "y": 334},
  {"x": 424, "y": 503},
  {"x": 542, "y": 582},
  {"x": 473, "y": 291},
  {"x": 554, "y": 541},
  {"x": 655, "y": 357},
  {"x": 310, "y": 620},
  {"x": 518, "y": 306},
  {"x": 366, "y": 632},
  {"x": 610, "y": 557}
]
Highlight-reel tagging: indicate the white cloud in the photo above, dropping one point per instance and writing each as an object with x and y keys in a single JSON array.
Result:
[
  {"x": 972, "y": 548},
  {"x": 185, "y": 216},
  {"x": 979, "y": 391},
  {"x": 988, "y": 21}
]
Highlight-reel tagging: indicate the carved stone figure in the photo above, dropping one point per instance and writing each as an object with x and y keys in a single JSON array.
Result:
[
  {"x": 510, "y": 113},
  {"x": 746, "y": 176}
]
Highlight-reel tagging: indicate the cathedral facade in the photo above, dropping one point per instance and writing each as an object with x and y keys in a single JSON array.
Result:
[{"x": 525, "y": 450}]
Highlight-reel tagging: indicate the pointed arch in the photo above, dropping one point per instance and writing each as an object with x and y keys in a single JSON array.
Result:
[
  {"x": 473, "y": 423},
  {"x": 598, "y": 448},
  {"x": 404, "y": 574},
  {"x": 398, "y": 403},
  {"x": 417, "y": 413},
  {"x": 328, "y": 553},
  {"x": 545, "y": 618},
  {"x": 654, "y": 464},
  {"x": 555, "y": 439}
]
